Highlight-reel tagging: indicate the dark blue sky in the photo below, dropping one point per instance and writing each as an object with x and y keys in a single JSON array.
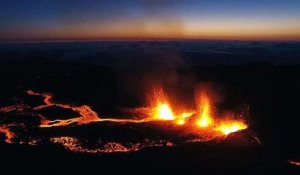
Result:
[{"x": 125, "y": 19}]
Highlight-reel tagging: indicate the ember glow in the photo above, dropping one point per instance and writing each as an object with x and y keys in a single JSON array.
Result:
[
  {"x": 8, "y": 133},
  {"x": 293, "y": 162},
  {"x": 203, "y": 123}
]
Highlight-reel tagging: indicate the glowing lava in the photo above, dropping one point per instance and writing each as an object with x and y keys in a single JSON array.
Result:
[
  {"x": 73, "y": 144},
  {"x": 230, "y": 127},
  {"x": 202, "y": 123},
  {"x": 183, "y": 117},
  {"x": 205, "y": 111},
  {"x": 160, "y": 112},
  {"x": 163, "y": 112},
  {"x": 87, "y": 115}
]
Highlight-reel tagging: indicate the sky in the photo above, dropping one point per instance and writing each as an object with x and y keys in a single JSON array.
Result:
[{"x": 26, "y": 20}]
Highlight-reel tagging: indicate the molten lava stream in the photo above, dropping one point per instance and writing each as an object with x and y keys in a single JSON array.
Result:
[{"x": 87, "y": 115}]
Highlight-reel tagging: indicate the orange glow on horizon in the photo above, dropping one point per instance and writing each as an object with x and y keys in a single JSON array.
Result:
[{"x": 173, "y": 30}]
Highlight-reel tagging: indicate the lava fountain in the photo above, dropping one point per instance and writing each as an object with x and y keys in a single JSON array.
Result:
[{"x": 205, "y": 110}]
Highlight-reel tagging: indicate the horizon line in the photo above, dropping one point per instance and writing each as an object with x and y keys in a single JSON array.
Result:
[{"x": 58, "y": 40}]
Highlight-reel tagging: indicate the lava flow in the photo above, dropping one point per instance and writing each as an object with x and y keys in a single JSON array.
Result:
[
  {"x": 87, "y": 115},
  {"x": 159, "y": 110},
  {"x": 202, "y": 123},
  {"x": 73, "y": 144}
]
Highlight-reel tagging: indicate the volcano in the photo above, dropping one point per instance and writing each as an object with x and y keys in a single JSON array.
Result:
[
  {"x": 58, "y": 117},
  {"x": 199, "y": 125}
]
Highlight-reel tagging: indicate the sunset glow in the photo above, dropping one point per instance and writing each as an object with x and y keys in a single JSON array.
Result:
[{"x": 140, "y": 20}]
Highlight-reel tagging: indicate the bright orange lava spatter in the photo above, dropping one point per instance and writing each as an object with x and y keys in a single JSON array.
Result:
[{"x": 201, "y": 121}]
